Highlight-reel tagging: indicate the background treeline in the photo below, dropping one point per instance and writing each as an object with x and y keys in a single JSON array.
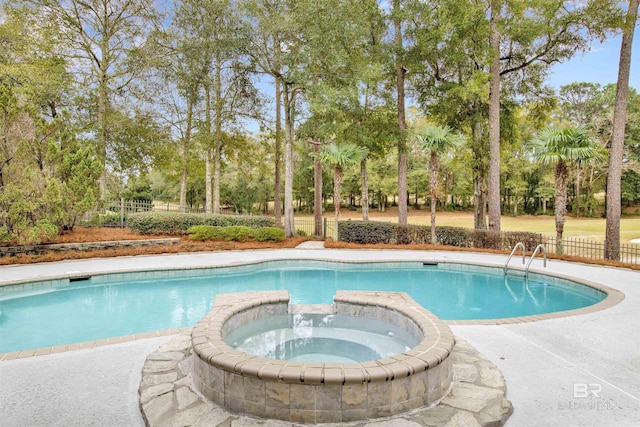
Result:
[{"x": 222, "y": 103}]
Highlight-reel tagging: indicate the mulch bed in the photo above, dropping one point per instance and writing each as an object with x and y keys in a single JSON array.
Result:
[
  {"x": 84, "y": 235},
  {"x": 81, "y": 234}
]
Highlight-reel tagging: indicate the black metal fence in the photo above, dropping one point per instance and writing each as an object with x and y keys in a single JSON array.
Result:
[
  {"x": 590, "y": 249},
  {"x": 114, "y": 213}
]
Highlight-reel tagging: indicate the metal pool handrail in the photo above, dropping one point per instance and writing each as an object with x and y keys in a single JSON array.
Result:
[
  {"x": 513, "y": 251},
  {"x": 535, "y": 252}
]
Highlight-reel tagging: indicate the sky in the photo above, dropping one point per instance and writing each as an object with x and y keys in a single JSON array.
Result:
[{"x": 599, "y": 65}]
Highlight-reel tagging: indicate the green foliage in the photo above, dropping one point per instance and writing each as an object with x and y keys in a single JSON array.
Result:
[
  {"x": 5, "y": 235},
  {"x": 486, "y": 239},
  {"x": 78, "y": 173},
  {"x": 454, "y": 236},
  {"x": 564, "y": 144},
  {"x": 272, "y": 234},
  {"x": 530, "y": 240},
  {"x": 177, "y": 223},
  {"x": 138, "y": 189},
  {"x": 340, "y": 154},
  {"x": 237, "y": 233},
  {"x": 411, "y": 234},
  {"x": 242, "y": 195},
  {"x": 630, "y": 187},
  {"x": 371, "y": 232},
  {"x": 438, "y": 139},
  {"x": 41, "y": 231},
  {"x": 366, "y": 232},
  {"x": 109, "y": 217},
  {"x": 205, "y": 232}
]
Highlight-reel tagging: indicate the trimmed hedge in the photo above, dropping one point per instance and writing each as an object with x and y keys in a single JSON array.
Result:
[
  {"x": 206, "y": 232},
  {"x": 177, "y": 223},
  {"x": 371, "y": 232},
  {"x": 272, "y": 234},
  {"x": 236, "y": 233},
  {"x": 366, "y": 232}
]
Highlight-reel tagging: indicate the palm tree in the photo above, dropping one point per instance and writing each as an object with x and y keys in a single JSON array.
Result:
[
  {"x": 436, "y": 140},
  {"x": 562, "y": 146},
  {"x": 339, "y": 155}
]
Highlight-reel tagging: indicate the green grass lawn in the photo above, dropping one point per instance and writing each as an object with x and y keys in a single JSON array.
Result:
[{"x": 585, "y": 228}]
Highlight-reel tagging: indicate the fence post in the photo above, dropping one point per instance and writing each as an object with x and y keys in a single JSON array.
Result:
[
  {"x": 324, "y": 231},
  {"x": 121, "y": 212}
]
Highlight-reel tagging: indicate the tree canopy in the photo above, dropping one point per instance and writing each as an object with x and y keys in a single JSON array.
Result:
[{"x": 203, "y": 102}]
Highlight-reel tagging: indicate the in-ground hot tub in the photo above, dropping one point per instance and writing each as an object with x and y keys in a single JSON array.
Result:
[{"x": 309, "y": 392}]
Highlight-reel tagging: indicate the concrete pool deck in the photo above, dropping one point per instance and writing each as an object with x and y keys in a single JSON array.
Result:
[{"x": 581, "y": 370}]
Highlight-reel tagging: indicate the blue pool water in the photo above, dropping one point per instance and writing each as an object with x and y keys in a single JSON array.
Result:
[
  {"x": 60, "y": 312},
  {"x": 321, "y": 338}
]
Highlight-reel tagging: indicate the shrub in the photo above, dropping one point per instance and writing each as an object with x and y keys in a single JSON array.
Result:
[
  {"x": 43, "y": 230},
  {"x": 237, "y": 233},
  {"x": 205, "y": 232},
  {"x": 412, "y": 234},
  {"x": 366, "y": 232},
  {"x": 485, "y": 239},
  {"x": 530, "y": 240},
  {"x": 272, "y": 234},
  {"x": 5, "y": 234},
  {"x": 371, "y": 232},
  {"x": 301, "y": 233},
  {"x": 454, "y": 236},
  {"x": 109, "y": 217},
  {"x": 177, "y": 223}
]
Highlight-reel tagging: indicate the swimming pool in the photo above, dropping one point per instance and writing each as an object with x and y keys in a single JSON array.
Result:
[{"x": 43, "y": 314}]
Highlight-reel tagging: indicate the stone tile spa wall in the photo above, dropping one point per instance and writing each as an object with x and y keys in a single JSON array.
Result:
[{"x": 322, "y": 392}]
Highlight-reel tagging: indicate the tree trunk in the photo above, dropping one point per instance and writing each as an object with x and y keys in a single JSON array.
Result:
[
  {"x": 590, "y": 189},
  {"x": 337, "y": 185},
  {"x": 317, "y": 187},
  {"x": 365, "y": 189},
  {"x": 289, "y": 225},
  {"x": 494, "y": 119},
  {"x": 479, "y": 186},
  {"x": 217, "y": 152},
  {"x": 186, "y": 140},
  {"x": 103, "y": 106},
  {"x": 277, "y": 197},
  {"x": 577, "y": 212},
  {"x": 402, "y": 148},
  {"x": 433, "y": 170},
  {"x": 560, "y": 208},
  {"x": 614, "y": 208},
  {"x": 209, "y": 152}
]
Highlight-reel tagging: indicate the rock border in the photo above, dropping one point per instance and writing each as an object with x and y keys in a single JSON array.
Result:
[
  {"x": 85, "y": 246},
  {"x": 167, "y": 397}
]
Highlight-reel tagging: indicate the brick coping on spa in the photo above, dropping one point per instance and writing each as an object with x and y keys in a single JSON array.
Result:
[
  {"x": 613, "y": 297},
  {"x": 435, "y": 345},
  {"x": 276, "y": 389}
]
